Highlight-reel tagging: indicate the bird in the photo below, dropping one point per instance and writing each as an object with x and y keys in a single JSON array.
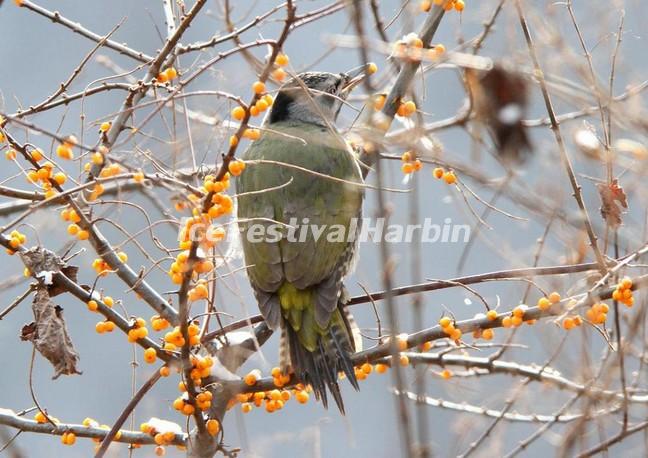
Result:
[{"x": 305, "y": 172}]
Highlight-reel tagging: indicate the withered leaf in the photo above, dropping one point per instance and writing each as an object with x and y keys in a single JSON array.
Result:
[
  {"x": 49, "y": 334},
  {"x": 613, "y": 203},
  {"x": 44, "y": 263}
]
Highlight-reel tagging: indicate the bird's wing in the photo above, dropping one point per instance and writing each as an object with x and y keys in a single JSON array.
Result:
[{"x": 310, "y": 259}]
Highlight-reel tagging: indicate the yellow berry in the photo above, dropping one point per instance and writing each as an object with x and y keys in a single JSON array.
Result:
[
  {"x": 282, "y": 60},
  {"x": 150, "y": 355},
  {"x": 238, "y": 113},
  {"x": 544, "y": 303},
  {"x": 554, "y": 297},
  {"x": 258, "y": 87},
  {"x": 104, "y": 127},
  {"x": 449, "y": 177},
  {"x": 491, "y": 315}
]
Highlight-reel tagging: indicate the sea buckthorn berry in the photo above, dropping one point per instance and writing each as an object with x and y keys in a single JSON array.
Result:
[
  {"x": 238, "y": 113},
  {"x": 282, "y": 60},
  {"x": 449, "y": 177},
  {"x": 150, "y": 355},
  {"x": 37, "y": 154},
  {"x": 516, "y": 321},
  {"x": 261, "y": 105},
  {"x": 73, "y": 229},
  {"x": 246, "y": 407},
  {"x": 544, "y": 303},
  {"x": 379, "y": 102},
  {"x": 165, "y": 371},
  {"x": 438, "y": 173},
  {"x": 626, "y": 283},
  {"x": 507, "y": 322},
  {"x": 254, "y": 111},
  {"x": 367, "y": 368},
  {"x": 425, "y": 346},
  {"x": 425, "y": 5},
  {"x": 64, "y": 151},
  {"x": 252, "y": 377},
  {"x": 108, "y": 301},
  {"x": 371, "y": 68},
  {"x": 440, "y": 49},
  {"x": 302, "y": 396},
  {"x": 407, "y": 168},
  {"x": 403, "y": 360},
  {"x": 97, "y": 158},
  {"x": 252, "y": 134},
  {"x": 381, "y": 368},
  {"x": 401, "y": 342},
  {"x": 236, "y": 167},
  {"x": 491, "y": 315},
  {"x": 104, "y": 127},
  {"x": 445, "y": 322},
  {"x": 407, "y": 156},
  {"x": 100, "y": 327},
  {"x": 188, "y": 409},
  {"x": 568, "y": 323},
  {"x": 10, "y": 155},
  {"x": 213, "y": 427},
  {"x": 258, "y": 87},
  {"x": 554, "y": 297},
  {"x": 162, "y": 77},
  {"x": 520, "y": 310},
  {"x": 233, "y": 140},
  {"x": 83, "y": 235},
  {"x": 171, "y": 73},
  {"x": 40, "y": 417},
  {"x": 446, "y": 374},
  {"x": 279, "y": 74},
  {"x": 60, "y": 178},
  {"x": 410, "y": 108},
  {"x": 68, "y": 438},
  {"x": 138, "y": 177},
  {"x": 93, "y": 306},
  {"x": 160, "y": 451},
  {"x": 456, "y": 334},
  {"x": 487, "y": 334},
  {"x": 459, "y": 5}
]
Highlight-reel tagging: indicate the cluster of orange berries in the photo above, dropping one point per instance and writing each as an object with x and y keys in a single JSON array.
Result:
[
  {"x": 138, "y": 330},
  {"x": 70, "y": 215},
  {"x": 167, "y": 75},
  {"x": 103, "y": 268},
  {"x": 597, "y": 313},
  {"x": 259, "y": 107},
  {"x": 198, "y": 292},
  {"x": 406, "y": 109},
  {"x": 181, "y": 265},
  {"x": 104, "y": 326},
  {"x": 45, "y": 175},
  {"x": 40, "y": 417},
  {"x": 279, "y": 73},
  {"x": 173, "y": 339},
  {"x": 410, "y": 163},
  {"x": 411, "y": 47},
  {"x": 64, "y": 150},
  {"x": 623, "y": 292},
  {"x": 158, "y": 323},
  {"x": 517, "y": 317},
  {"x": 160, "y": 438},
  {"x": 107, "y": 300},
  {"x": 447, "y": 324},
  {"x": 236, "y": 167},
  {"x": 446, "y": 175},
  {"x": 458, "y": 5},
  {"x": 571, "y": 322},
  {"x": 68, "y": 438},
  {"x": 16, "y": 240},
  {"x": 544, "y": 303},
  {"x": 363, "y": 371}
]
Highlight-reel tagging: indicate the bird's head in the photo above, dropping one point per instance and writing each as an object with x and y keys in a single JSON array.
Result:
[{"x": 314, "y": 97}]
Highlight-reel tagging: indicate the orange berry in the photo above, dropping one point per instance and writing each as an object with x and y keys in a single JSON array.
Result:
[
  {"x": 459, "y": 5},
  {"x": 568, "y": 323},
  {"x": 425, "y": 5},
  {"x": 83, "y": 235},
  {"x": 10, "y": 155},
  {"x": 379, "y": 102},
  {"x": 258, "y": 87},
  {"x": 73, "y": 229},
  {"x": 238, "y": 113},
  {"x": 282, "y": 59},
  {"x": 165, "y": 371},
  {"x": 233, "y": 140},
  {"x": 487, "y": 334},
  {"x": 213, "y": 427},
  {"x": 446, "y": 374},
  {"x": 554, "y": 297},
  {"x": 37, "y": 154},
  {"x": 445, "y": 322},
  {"x": 150, "y": 355},
  {"x": 93, "y": 306},
  {"x": 381, "y": 368},
  {"x": 491, "y": 315},
  {"x": 544, "y": 303},
  {"x": 507, "y": 322},
  {"x": 279, "y": 74},
  {"x": 403, "y": 360},
  {"x": 104, "y": 127},
  {"x": 438, "y": 173},
  {"x": 171, "y": 73},
  {"x": 626, "y": 283},
  {"x": 449, "y": 177},
  {"x": 302, "y": 397}
]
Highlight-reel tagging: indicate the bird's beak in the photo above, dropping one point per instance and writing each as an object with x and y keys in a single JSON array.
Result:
[{"x": 357, "y": 76}]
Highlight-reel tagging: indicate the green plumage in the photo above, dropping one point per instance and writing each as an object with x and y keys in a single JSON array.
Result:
[{"x": 299, "y": 283}]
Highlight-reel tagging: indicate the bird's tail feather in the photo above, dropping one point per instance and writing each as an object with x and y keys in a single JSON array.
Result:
[{"x": 332, "y": 355}]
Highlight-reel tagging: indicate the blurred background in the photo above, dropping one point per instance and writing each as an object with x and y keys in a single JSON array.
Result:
[{"x": 36, "y": 55}]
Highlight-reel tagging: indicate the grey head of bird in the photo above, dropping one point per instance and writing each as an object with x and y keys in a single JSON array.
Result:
[{"x": 314, "y": 97}]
